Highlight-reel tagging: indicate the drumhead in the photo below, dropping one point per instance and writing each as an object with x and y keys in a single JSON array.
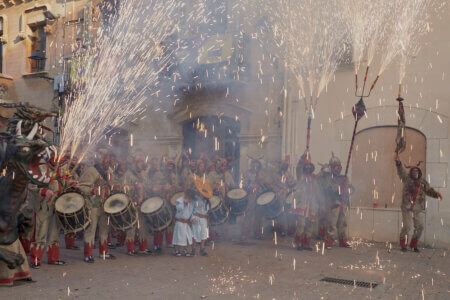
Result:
[
  {"x": 215, "y": 201},
  {"x": 116, "y": 203},
  {"x": 69, "y": 203},
  {"x": 174, "y": 198},
  {"x": 265, "y": 198},
  {"x": 237, "y": 194},
  {"x": 151, "y": 205}
]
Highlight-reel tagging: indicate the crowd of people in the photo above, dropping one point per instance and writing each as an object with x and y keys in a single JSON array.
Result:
[{"x": 310, "y": 204}]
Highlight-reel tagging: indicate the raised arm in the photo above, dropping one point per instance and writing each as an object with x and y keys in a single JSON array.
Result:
[{"x": 400, "y": 170}]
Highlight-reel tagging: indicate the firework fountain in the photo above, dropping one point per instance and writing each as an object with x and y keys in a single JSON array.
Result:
[
  {"x": 411, "y": 24},
  {"x": 392, "y": 29},
  {"x": 121, "y": 72},
  {"x": 312, "y": 36}
]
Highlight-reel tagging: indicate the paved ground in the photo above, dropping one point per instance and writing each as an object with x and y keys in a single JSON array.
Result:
[{"x": 252, "y": 270}]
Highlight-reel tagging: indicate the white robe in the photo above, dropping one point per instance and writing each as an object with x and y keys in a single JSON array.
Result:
[
  {"x": 182, "y": 233},
  {"x": 200, "y": 228}
]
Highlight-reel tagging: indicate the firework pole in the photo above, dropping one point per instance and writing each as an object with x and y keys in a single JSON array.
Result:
[
  {"x": 400, "y": 139},
  {"x": 308, "y": 132},
  {"x": 359, "y": 110}
]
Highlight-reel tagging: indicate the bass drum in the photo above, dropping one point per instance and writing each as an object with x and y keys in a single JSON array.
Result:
[
  {"x": 269, "y": 205},
  {"x": 72, "y": 212},
  {"x": 121, "y": 211},
  {"x": 238, "y": 199},
  {"x": 158, "y": 213},
  {"x": 218, "y": 214}
]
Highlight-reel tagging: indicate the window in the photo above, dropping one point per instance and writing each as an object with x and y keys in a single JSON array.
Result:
[
  {"x": 374, "y": 174},
  {"x": 38, "y": 48}
]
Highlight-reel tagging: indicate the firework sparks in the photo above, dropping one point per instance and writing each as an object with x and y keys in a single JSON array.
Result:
[
  {"x": 311, "y": 35},
  {"x": 121, "y": 71},
  {"x": 411, "y": 24}
]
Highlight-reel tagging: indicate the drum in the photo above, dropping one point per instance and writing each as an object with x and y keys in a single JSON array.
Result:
[
  {"x": 218, "y": 214},
  {"x": 121, "y": 211},
  {"x": 269, "y": 205},
  {"x": 238, "y": 199},
  {"x": 158, "y": 213},
  {"x": 72, "y": 212},
  {"x": 174, "y": 198}
]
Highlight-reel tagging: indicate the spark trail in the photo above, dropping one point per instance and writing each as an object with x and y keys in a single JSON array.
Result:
[
  {"x": 121, "y": 71},
  {"x": 314, "y": 40}
]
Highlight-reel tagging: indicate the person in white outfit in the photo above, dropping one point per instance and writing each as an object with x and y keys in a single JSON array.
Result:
[
  {"x": 200, "y": 223},
  {"x": 182, "y": 233}
]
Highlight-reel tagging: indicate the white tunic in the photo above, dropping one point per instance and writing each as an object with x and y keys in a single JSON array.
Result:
[
  {"x": 200, "y": 228},
  {"x": 182, "y": 233}
]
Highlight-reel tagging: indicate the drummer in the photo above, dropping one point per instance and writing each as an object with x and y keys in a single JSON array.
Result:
[
  {"x": 47, "y": 224},
  {"x": 128, "y": 181},
  {"x": 169, "y": 186},
  {"x": 224, "y": 181},
  {"x": 214, "y": 179},
  {"x": 305, "y": 206},
  {"x": 223, "y": 184},
  {"x": 156, "y": 187},
  {"x": 183, "y": 167},
  {"x": 253, "y": 184},
  {"x": 282, "y": 184},
  {"x": 69, "y": 238},
  {"x": 95, "y": 184}
]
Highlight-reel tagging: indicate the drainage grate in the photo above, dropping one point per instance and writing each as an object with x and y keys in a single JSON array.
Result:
[{"x": 364, "y": 284}]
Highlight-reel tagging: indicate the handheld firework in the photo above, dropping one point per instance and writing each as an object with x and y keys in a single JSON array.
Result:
[{"x": 358, "y": 111}]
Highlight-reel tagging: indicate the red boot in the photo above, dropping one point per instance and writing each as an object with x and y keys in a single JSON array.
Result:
[
  {"x": 329, "y": 242},
  {"x": 306, "y": 243},
  {"x": 103, "y": 250},
  {"x": 88, "y": 250},
  {"x": 322, "y": 232},
  {"x": 36, "y": 253},
  {"x": 130, "y": 248},
  {"x": 143, "y": 247},
  {"x": 298, "y": 240},
  {"x": 88, "y": 253},
  {"x": 121, "y": 238},
  {"x": 53, "y": 255},
  {"x": 169, "y": 238},
  {"x": 343, "y": 243},
  {"x": 413, "y": 245},
  {"x": 403, "y": 244},
  {"x": 158, "y": 240},
  {"x": 68, "y": 240}
]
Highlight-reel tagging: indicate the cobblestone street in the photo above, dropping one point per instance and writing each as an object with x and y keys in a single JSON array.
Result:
[{"x": 251, "y": 270}]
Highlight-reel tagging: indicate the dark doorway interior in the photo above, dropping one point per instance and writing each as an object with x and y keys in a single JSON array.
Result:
[{"x": 213, "y": 136}]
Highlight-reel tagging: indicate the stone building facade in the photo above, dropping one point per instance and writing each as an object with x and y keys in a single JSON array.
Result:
[{"x": 256, "y": 114}]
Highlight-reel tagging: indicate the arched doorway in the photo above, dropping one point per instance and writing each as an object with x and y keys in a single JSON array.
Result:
[
  {"x": 374, "y": 174},
  {"x": 213, "y": 135}
]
